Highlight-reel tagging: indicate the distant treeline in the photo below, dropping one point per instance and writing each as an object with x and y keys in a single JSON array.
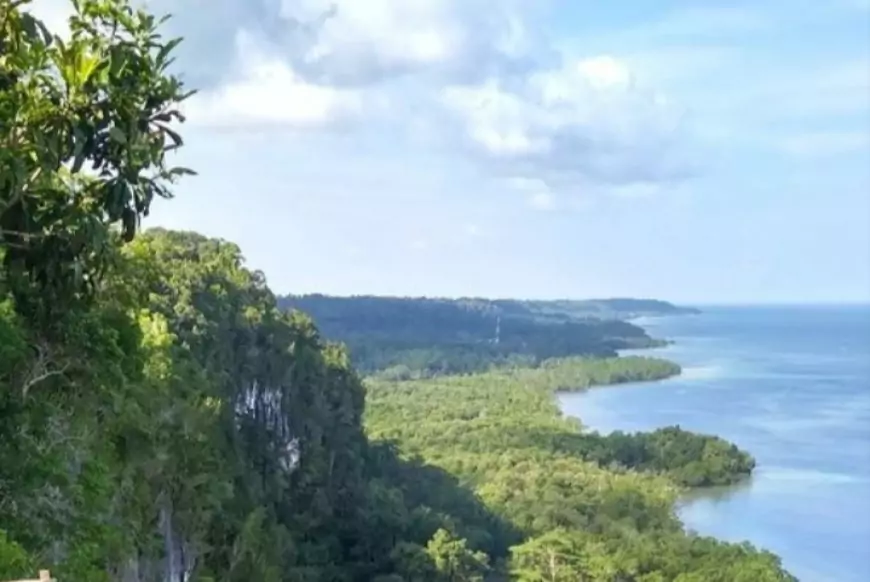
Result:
[{"x": 403, "y": 338}]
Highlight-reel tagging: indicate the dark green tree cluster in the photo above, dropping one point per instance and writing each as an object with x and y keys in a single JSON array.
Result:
[
  {"x": 195, "y": 431},
  {"x": 405, "y": 338},
  {"x": 688, "y": 458},
  {"x": 590, "y": 507}
]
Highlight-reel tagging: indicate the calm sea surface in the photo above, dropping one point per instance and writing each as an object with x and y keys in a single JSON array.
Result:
[{"x": 792, "y": 386}]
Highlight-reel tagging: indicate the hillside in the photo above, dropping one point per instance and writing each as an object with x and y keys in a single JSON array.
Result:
[
  {"x": 162, "y": 418},
  {"x": 616, "y": 308},
  {"x": 418, "y": 337}
]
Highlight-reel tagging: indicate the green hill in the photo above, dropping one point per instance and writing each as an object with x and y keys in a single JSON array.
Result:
[{"x": 417, "y": 337}]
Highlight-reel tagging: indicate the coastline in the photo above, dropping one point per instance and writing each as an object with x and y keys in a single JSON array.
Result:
[
  {"x": 583, "y": 389},
  {"x": 691, "y": 484},
  {"x": 687, "y": 459},
  {"x": 787, "y": 384},
  {"x": 504, "y": 435},
  {"x": 687, "y": 495},
  {"x": 660, "y": 369}
]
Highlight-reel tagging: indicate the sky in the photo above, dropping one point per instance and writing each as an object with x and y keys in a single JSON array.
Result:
[{"x": 694, "y": 151}]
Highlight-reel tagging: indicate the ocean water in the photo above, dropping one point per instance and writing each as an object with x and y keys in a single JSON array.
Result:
[{"x": 792, "y": 386}]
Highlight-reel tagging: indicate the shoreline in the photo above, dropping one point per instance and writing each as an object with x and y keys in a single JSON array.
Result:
[
  {"x": 505, "y": 435},
  {"x": 591, "y": 387},
  {"x": 687, "y": 495},
  {"x": 670, "y": 374}
]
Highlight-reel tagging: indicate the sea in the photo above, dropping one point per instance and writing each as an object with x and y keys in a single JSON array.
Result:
[{"x": 791, "y": 385}]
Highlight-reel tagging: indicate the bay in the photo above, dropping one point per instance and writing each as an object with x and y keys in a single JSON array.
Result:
[{"x": 791, "y": 385}]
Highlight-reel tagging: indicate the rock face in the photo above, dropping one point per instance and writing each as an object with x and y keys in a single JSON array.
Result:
[{"x": 176, "y": 564}]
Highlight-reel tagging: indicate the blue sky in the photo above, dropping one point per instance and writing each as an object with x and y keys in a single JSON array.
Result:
[{"x": 685, "y": 150}]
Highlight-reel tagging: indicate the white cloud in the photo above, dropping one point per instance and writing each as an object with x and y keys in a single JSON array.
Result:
[
  {"x": 527, "y": 184},
  {"x": 353, "y": 42},
  {"x": 268, "y": 92},
  {"x": 475, "y": 76},
  {"x": 638, "y": 190},
  {"x": 53, "y": 13},
  {"x": 352, "y": 39},
  {"x": 476, "y": 70},
  {"x": 542, "y": 201},
  {"x": 587, "y": 119},
  {"x": 538, "y": 193}
]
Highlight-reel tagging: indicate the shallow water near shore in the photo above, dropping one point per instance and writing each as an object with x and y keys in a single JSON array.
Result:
[{"x": 791, "y": 385}]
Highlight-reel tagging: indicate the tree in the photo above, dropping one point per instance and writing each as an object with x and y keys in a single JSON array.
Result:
[
  {"x": 85, "y": 126},
  {"x": 453, "y": 560},
  {"x": 554, "y": 557},
  {"x": 414, "y": 563}
]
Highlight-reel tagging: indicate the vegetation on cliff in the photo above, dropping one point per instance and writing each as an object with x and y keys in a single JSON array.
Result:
[{"x": 162, "y": 418}]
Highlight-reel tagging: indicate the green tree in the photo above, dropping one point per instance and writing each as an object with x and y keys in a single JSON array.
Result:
[
  {"x": 85, "y": 126},
  {"x": 414, "y": 563},
  {"x": 14, "y": 561},
  {"x": 453, "y": 560},
  {"x": 554, "y": 557}
]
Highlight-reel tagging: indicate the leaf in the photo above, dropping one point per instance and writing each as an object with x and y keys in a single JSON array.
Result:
[
  {"x": 118, "y": 60},
  {"x": 164, "y": 52},
  {"x": 30, "y": 26},
  {"x": 173, "y": 135},
  {"x": 182, "y": 172},
  {"x": 129, "y": 221},
  {"x": 117, "y": 135},
  {"x": 46, "y": 34},
  {"x": 79, "y": 149},
  {"x": 117, "y": 199},
  {"x": 86, "y": 66}
]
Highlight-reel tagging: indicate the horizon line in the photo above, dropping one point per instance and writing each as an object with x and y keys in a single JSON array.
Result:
[{"x": 675, "y": 302}]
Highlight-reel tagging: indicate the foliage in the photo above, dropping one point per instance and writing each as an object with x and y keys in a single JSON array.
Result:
[
  {"x": 85, "y": 126},
  {"x": 161, "y": 418},
  {"x": 590, "y": 507},
  {"x": 453, "y": 560},
  {"x": 690, "y": 459},
  {"x": 405, "y": 338},
  {"x": 563, "y": 555},
  {"x": 13, "y": 559},
  {"x": 204, "y": 424}
]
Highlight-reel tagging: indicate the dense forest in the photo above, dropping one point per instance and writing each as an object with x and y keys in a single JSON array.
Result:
[
  {"x": 162, "y": 418},
  {"x": 506, "y": 410},
  {"x": 589, "y": 507},
  {"x": 404, "y": 338}
]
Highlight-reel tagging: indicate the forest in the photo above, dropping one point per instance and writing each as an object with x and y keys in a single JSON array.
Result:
[
  {"x": 163, "y": 418},
  {"x": 405, "y": 338}
]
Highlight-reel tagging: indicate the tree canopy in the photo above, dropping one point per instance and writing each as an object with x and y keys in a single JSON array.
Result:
[
  {"x": 587, "y": 506},
  {"x": 403, "y": 338},
  {"x": 85, "y": 128},
  {"x": 162, "y": 417}
]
